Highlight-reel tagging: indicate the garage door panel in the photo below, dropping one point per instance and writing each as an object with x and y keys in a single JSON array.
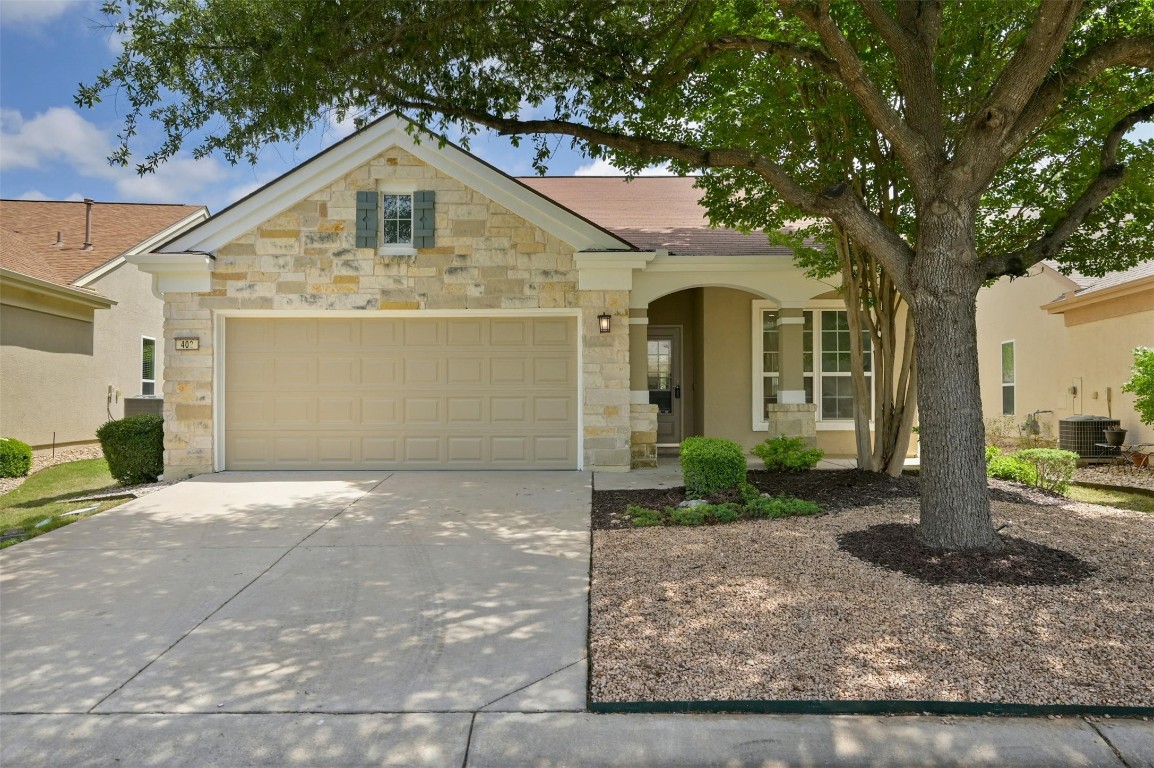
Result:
[{"x": 397, "y": 393}]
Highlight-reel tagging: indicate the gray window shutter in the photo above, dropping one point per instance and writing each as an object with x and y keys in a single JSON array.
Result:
[
  {"x": 424, "y": 220},
  {"x": 367, "y": 219}
]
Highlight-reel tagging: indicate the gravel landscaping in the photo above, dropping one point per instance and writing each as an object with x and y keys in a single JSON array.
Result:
[{"x": 776, "y": 609}]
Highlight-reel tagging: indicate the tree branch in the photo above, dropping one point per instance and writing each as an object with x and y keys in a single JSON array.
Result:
[
  {"x": 917, "y": 155},
  {"x": 1112, "y": 174},
  {"x": 690, "y": 61}
]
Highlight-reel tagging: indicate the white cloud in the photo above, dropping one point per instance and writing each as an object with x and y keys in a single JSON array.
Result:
[
  {"x": 62, "y": 136},
  {"x": 36, "y": 194},
  {"x": 33, "y": 13},
  {"x": 602, "y": 167}
]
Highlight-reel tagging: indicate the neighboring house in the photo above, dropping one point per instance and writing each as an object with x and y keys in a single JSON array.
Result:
[
  {"x": 394, "y": 303},
  {"x": 80, "y": 329},
  {"x": 1063, "y": 345}
]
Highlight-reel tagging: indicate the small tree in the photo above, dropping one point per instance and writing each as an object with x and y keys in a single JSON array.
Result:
[{"x": 1141, "y": 384}]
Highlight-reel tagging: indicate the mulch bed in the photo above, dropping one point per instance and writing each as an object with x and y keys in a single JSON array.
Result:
[{"x": 893, "y": 546}]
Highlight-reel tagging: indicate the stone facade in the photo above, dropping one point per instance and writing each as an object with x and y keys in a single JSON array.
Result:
[
  {"x": 794, "y": 420},
  {"x": 643, "y": 439},
  {"x": 304, "y": 258}
]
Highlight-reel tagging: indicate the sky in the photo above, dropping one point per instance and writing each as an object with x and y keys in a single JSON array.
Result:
[{"x": 50, "y": 149}]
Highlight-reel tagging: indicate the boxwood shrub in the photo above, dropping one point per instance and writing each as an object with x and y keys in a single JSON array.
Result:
[
  {"x": 787, "y": 454},
  {"x": 134, "y": 448},
  {"x": 1053, "y": 468},
  {"x": 710, "y": 465},
  {"x": 15, "y": 457},
  {"x": 1009, "y": 467}
]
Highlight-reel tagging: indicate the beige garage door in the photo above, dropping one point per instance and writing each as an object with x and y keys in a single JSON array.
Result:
[{"x": 392, "y": 393}]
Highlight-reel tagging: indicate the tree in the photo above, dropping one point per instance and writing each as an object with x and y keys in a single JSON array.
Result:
[{"x": 1007, "y": 123}]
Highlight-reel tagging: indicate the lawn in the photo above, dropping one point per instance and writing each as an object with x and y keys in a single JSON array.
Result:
[
  {"x": 1118, "y": 498},
  {"x": 49, "y": 493}
]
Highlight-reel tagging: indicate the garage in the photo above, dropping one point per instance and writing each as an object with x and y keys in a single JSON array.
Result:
[{"x": 400, "y": 393}]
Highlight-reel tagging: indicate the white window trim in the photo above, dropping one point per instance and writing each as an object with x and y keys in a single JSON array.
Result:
[
  {"x": 143, "y": 380},
  {"x": 1013, "y": 375},
  {"x": 760, "y": 423},
  {"x": 392, "y": 188}
]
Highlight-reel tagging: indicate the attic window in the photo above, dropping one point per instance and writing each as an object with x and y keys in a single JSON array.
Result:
[{"x": 397, "y": 219}]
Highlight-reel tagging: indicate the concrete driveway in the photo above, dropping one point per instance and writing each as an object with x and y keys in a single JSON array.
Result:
[{"x": 367, "y": 619}]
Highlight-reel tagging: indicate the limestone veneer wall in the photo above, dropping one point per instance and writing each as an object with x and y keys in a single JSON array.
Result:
[{"x": 304, "y": 258}]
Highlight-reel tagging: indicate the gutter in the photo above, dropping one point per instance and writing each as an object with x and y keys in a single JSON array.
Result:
[
  {"x": 1074, "y": 301},
  {"x": 83, "y": 296}
]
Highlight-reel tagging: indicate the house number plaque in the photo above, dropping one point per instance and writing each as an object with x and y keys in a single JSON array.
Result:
[{"x": 184, "y": 345}]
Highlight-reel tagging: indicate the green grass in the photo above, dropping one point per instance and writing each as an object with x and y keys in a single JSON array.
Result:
[
  {"x": 1112, "y": 498},
  {"x": 48, "y": 493}
]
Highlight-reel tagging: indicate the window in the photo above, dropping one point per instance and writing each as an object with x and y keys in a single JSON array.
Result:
[
  {"x": 827, "y": 363},
  {"x": 396, "y": 219},
  {"x": 147, "y": 367},
  {"x": 1007, "y": 378}
]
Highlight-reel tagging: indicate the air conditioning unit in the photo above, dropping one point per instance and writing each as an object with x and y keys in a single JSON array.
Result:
[{"x": 1086, "y": 436}]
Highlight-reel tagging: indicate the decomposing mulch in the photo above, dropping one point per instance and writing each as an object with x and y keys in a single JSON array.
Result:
[
  {"x": 895, "y": 547},
  {"x": 889, "y": 546}
]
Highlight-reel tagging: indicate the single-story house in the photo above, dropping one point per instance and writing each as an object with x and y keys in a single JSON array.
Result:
[
  {"x": 396, "y": 302},
  {"x": 79, "y": 325},
  {"x": 1059, "y": 346}
]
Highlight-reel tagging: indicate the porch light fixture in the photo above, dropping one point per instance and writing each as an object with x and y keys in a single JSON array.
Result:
[{"x": 603, "y": 322}]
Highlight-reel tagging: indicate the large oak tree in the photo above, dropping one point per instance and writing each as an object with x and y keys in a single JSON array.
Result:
[{"x": 1006, "y": 123}]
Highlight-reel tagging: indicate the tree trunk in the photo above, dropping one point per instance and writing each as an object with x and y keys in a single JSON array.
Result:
[{"x": 955, "y": 502}]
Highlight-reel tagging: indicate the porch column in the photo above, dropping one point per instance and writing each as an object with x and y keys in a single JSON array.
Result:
[
  {"x": 642, "y": 415},
  {"x": 792, "y": 386}
]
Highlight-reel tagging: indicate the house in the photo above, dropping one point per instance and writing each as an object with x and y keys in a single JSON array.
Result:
[
  {"x": 395, "y": 302},
  {"x": 1059, "y": 346},
  {"x": 79, "y": 325}
]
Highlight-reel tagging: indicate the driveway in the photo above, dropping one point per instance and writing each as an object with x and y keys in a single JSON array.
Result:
[{"x": 357, "y": 619}]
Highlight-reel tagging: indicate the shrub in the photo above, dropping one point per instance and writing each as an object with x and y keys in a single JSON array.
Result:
[
  {"x": 787, "y": 454},
  {"x": 722, "y": 513},
  {"x": 1053, "y": 468},
  {"x": 687, "y": 516},
  {"x": 134, "y": 448},
  {"x": 1141, "y": 384},
  {"x": 710, "y": 465},
  {"x": 643, "y": 517},
  {"x": 1010, "y": 467},
  {"x": 781, "y": 506},
  {"x": 15, "y": 457}
]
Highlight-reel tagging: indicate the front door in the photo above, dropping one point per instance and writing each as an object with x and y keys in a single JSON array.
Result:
[{"x": 664, "y": 375}]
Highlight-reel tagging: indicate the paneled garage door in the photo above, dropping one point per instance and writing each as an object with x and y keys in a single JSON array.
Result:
[{"x": 399, "y": 393}]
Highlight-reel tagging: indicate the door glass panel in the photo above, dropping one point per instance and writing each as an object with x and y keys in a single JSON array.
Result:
[{"x": 660, "y": 363}]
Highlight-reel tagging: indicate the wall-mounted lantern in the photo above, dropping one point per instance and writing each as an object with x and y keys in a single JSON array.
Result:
[{"x": 603, "y": 322}]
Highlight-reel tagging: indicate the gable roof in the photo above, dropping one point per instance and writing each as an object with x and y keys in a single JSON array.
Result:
[
  {"x": 1124, "y": 282},
  {"x": 361, "y": 147},
  {"x": 652, "y": 212},
  {"x": 28, "y": 233}
]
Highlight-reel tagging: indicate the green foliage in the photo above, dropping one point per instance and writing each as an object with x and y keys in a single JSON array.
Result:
[
  {"x": 722, "y": 513},
  {"x": 991, "y": 452},
  {"x": 643, "y": 517},
  {"x": 1141, "y": 384},
  {"x": 1009, "y": 467},
  {"x": 134, "y": 447},
  {"x": 781, "y": 506},
  {"x": 1053, "y": 468},
  {"x": 48, "y": 494},
  {"x": 787, "y": 454},
  {"x": 687, "y": 516},
  {"x": 15, "y": 457},
  {"x": 710, "y": 465}
]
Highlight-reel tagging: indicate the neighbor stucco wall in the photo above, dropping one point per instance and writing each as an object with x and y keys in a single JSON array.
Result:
[
  {"x": 55, "y": 371},
  {"x": 486, "y": 258},
  {"x": 1089, "y": 348}
]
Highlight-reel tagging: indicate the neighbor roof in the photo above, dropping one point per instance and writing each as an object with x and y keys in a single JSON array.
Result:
[
  {"x": 651, "y": 212},
  {"x": 1087, "y": 285},
  {"x": 29, "y": 228}
]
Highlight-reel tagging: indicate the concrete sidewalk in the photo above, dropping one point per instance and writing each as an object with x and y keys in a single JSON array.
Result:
[{"x": 347, "y": 619}]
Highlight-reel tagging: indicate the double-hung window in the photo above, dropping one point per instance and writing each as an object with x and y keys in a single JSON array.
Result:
[
  {"x": 147, "y": 367},
  {"x": 827, "y": 363},
  {"x": 395, "y": 221}
]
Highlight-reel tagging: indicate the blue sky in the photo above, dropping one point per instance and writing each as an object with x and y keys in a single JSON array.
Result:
[{"x": 52, "y": 150}]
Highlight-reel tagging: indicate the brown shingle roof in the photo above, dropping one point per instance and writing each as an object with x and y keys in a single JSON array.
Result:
[
  {"x": 651, "y": 212},
  {"x": 30, "y": 226},
  {"x": 1087, "y": 285}
]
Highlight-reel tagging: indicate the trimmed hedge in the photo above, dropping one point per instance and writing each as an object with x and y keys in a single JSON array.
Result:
[
  {"x": 710, "y": 465},
  {"x": 787, "y": 454},
  {"x": 1053, "y": 468},
  {"x": 134, "y": 448},
  {"x": 15, "y": 457}
]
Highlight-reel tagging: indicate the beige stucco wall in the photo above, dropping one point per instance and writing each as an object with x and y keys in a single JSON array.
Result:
[
  {"x": 1093, "y": 352},
  {"x": 304, "y": 258},
  {"x": 55, "y": 371}
]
